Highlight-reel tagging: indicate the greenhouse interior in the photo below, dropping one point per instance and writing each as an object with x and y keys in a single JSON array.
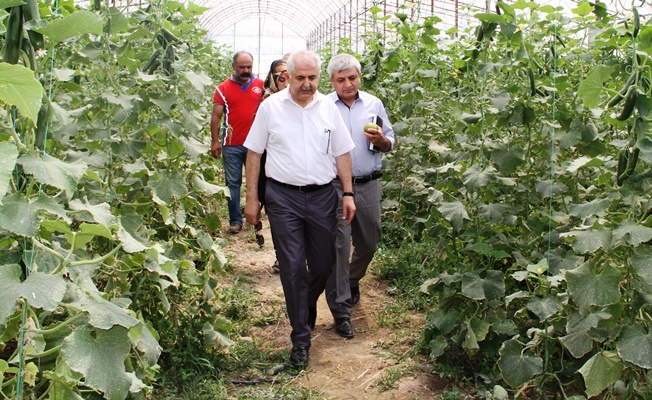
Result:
[{"x": 457, "y": 199}]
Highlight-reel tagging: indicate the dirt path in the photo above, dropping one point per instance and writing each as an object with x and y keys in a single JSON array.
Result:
[{"x": 359, "y": 368}]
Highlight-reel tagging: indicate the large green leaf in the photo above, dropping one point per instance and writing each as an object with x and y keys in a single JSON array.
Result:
[
  {"x": 590, "y": 241},
  {"x": 454, "y": 212},
  {"x": 208, "y": 188},
  {"x": 642, "y": 263},
  {"x": 578, "y": 341},
  {"x": 632, "y": 233},
  {"x": 588, "y": 288},
  {"x": 594, "y": 207},
  {"x": 600, "y": 371},
  {"x": 492, "y": 287},
  {"x": 54, "y": 172},
  {"x": 75, "y": 24},
  {"x": 544, "y": 308},
  {"x": 474, "y": 178},
  {"x": 101, "y": 213},
  {"x": 39, "y": 290},
  {"x": 169, "y": 184},
  {"x": 19, "y": 87},
  {"x": 592, "y": 86},
  {"x": 198, "y": 80},
  {"x": 104, "y": 314},
  {"x": 635, "y": 346},
  {"x": 100, "y": 356},
  {"x": 444, "y": 321},
  {"x": 8, "y": 157},
  {"x": 21, "y": 216},
  {"x": 515, "y": 366}
]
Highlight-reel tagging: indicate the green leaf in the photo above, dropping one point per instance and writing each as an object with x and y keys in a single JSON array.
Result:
[
  {"x": 591, "y": 87},
  {"x": 600, "y": 371},
  {"x": 507, "y": 159},
  {"x": 118, "y": 22},
  {"x": 490, "y": 17},
  {"x": 54, "y": 172},
  {"x": 590, "y": 241},
  {"x": 101, "y": 212},
  {"x": 632, "y": 233},
  {"x": 588, "y": 288},
  {"x": 104, "y": 314},
  {"x": 544, "y": 308},
  {"x": 517, "y": 368},
  {"x": 547, "y": 189},
  {"x": 583, "y": 9},
  {"x": 454, "y": 212},
  {"x": 635, "y": 346},
  {"x": 75, "y": 24},
  {"x": 8, "y": 157},
  {"x": 146, "y": 342},
  {"x": 11, "y": 3},
  {"x": 445, "y": 321},
  {"x": 20, "y": 216},
  {"x": 39, "y": 290},
  {"x": 169, "y": 184},
  {"x": 475, "y": 179},
  {"x": 100, "y": 356},
  {"x": 214, "y": 338},
  {"x": 594, "y": 207},
  {"x": 644, "y": 40},
  {"x": 19, "y": 87},
  {"x": 199, "y": 81},
  {"x": 642, "y": 263},
  {"x": 490, "y": 288}
]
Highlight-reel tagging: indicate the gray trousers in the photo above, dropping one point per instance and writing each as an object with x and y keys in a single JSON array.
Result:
[
  {"x": 364, "y": 233},
  {"x": 304, "y": 227}
]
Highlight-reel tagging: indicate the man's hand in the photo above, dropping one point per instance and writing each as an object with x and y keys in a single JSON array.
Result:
[
  {"x": 252, "y": 211},
  {"x": 348, "y": 209},
  {"x": 378, "y": 139},
  {"x": 216, "y": 149}
]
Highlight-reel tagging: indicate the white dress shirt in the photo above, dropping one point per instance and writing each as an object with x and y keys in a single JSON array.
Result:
[{"x": 301, "y": 142}]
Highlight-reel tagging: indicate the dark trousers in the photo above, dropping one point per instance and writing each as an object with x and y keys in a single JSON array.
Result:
[{"x": 304, "y": 227}]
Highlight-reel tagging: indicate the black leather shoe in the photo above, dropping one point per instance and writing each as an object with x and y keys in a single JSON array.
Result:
[
  {"x": 299, "y": 356},
  {"x": 343, "y": 328},
  {"x": 312, "y": 317},
  {"x": 355, "y": 295}
]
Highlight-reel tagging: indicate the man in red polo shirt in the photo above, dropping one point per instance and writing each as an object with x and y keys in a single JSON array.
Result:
[{"x": 237, "y": 99}]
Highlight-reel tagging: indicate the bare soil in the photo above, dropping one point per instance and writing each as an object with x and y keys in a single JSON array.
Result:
[{"x": 376, "y": 364}]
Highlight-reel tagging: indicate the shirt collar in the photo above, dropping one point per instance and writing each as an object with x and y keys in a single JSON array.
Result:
[
  {"x": 357, "y": 97},
  {"x": 245, "y": 86}
]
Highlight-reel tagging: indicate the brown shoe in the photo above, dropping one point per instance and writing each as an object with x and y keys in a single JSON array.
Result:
[{"x": 235, "y": 228}]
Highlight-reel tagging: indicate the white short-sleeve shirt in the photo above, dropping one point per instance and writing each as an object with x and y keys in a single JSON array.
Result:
[{"x": 301, "y": 142}]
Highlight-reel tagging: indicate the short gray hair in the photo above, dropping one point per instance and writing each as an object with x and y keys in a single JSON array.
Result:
[
  {"x": 342, "y": 62},
  {"x": 301, "y": 55}
]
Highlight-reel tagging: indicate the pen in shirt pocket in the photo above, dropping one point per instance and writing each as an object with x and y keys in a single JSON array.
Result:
[{"x": 328, "y": 144}]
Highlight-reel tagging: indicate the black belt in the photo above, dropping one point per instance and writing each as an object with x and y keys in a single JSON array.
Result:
[
  {"x": 365, "y": 178},
  {"x": 305, "y": 189}
]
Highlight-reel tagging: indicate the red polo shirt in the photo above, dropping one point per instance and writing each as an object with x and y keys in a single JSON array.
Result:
[{"x": 240, "y": 105}]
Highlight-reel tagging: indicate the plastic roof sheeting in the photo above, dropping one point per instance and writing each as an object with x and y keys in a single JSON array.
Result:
[{"x": 302, "y": 17}]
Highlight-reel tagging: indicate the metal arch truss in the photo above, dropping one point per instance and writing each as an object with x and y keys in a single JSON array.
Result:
[
  {"x": 354, "y": 20},
  {"x": 302, "y": 17}
]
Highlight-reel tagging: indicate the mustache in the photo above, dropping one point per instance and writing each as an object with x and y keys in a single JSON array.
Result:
[{"x": 245, "y": 75}]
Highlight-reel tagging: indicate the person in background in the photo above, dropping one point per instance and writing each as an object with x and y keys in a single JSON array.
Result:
[
  {"x": 307, "y": 146},
  {"x": 276, "y": 81},
  {"x": 357, "y": 109},
  {"x": 237, "y": 99}
]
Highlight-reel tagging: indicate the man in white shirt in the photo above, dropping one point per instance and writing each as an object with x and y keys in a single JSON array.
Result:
[
  {"x": 358, "y": 108},
  {"x": 307, "y": 145}
]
